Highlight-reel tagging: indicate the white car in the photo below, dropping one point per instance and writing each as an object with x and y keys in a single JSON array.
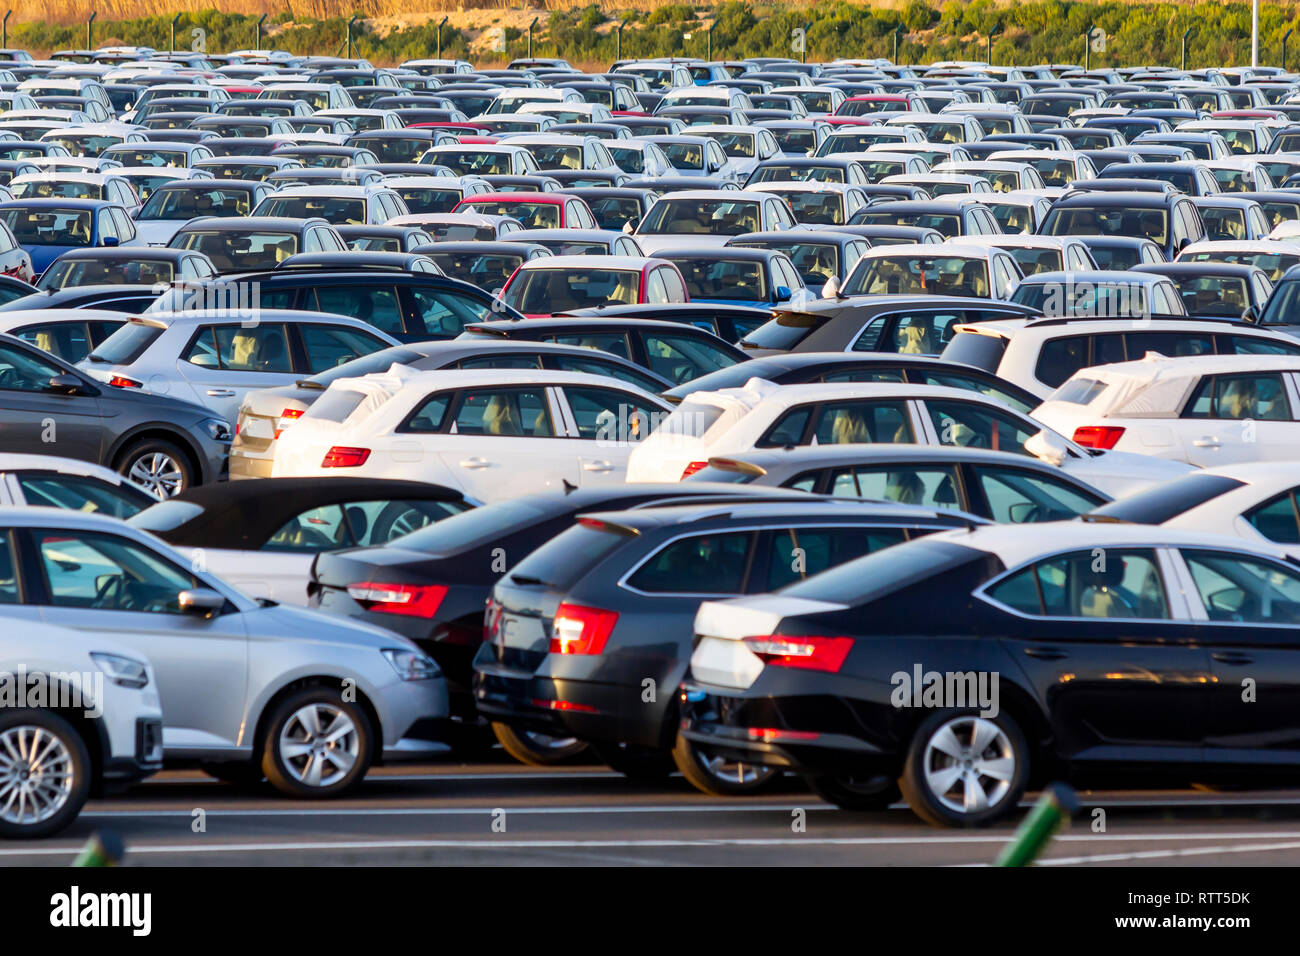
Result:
[
  {"x": 732, "y": 421},
  {"x": 1034, "y": 254},
  {"x": 1207, "y": 410},
  {"x": 49, "y": 764},
  {"x": 337, "y": 205},
  {"x": 1040, "y": 354},
  {"x": 213, "y": 357},
  {"x": 492, "y": 433},
  {"x": 710, "y": 217},
  {"x": 69, "y": 334},
  {"x": 1274, "y": 255},
  {"x": 981, "y": 271},
  {"x": 48, "y": 482}
]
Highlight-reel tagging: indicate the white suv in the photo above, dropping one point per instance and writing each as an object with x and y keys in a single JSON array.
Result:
[{"x": 99, "y": 722}]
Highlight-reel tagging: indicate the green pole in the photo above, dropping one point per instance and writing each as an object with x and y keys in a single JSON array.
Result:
[
  {"x": 102, "y": 849},
  {"x": 1054, "y": 808}
]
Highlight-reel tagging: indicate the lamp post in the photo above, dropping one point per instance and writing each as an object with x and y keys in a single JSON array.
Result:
[
  {"x": 1087, "y": 47},
  {"x": 618, "y": 37},
  {"x": 898, "y": 30},
  {"x": 530, "y": 37},
  {"x": 803, "y": 54},
  {"x": 1186, "y": 33},
  {"x": 90, "y": 26},
  {"x": 1254, "y": 33},
  {"x": 4, "y": 29},
  {"x": 1286, "y": 36},
  {"x": 351, "y": 24},
  {"x": 441, "y": 24},
  {"x": 992, "y": 33},
  {"x": 257, "y": 33}
]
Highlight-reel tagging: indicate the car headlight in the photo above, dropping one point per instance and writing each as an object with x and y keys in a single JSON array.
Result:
[
  {"x": 124, "y": 671},
  {"x": 217, "y": 429},
  {"x": 411, "y": 665}
]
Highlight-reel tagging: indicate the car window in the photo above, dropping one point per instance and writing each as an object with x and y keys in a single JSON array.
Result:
[
  {"x": 21, "y": 371},
  {"x": 970, "y": 384},
  {"x": 1277, "y": 519},
  {"x": 518, "y": 412},
  {"x": 1098, "y": 583},
  {"x": 259, "y": 348},
  {"x": 107, "y": 572},
  {"x": 1244, "y": 590},
  {"x": 867, "y": 374},
  {"x": 858, "y": 422},
  {"x": 1017, "y": 497},
  {"x": 330, "y": 345},
  {"x": 379, "y": 307},
  {"x": 796, "y": 554},
  {"x": 1251, "y": 345},
  {"x": 613, "y": 342},
  {"x": 317, "y": 529},
  {"x": 501, "y": 361},
  {"x": 594, "y": 366},
  {"x": 610, "y": 415},
  {"x": 680, "y": 358},
  {"x": 81, "y": 493},
  {"x": 427, "y": 417},
  {"x": 67, "y": 340},
  {"x": 8, "y": 579},
  {"x": 926, "y": 486},
  {"x": 1258, "y": 396},
  {"x": 920, "y": 333},
  {"x": 444, "y": 312},
  {"x": 968, "y": 425},
  {"x": 697, "y": 564}
]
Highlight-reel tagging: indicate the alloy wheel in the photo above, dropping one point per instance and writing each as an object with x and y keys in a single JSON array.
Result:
[
  {"x": 36, "y": 774},
  {"x": 319, "y": 744},
  {"x": 969, "y": 764}
]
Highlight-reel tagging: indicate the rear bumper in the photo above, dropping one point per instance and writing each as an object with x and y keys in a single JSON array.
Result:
[
  {"x": 507, "y": 696},
  {"x": 246, "y": 465}
]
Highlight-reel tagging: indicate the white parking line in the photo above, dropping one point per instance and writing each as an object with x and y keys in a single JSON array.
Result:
[
  {"x": 286, "y": 846},
  {"x": 415, "y": 777},
  {"x": 1166, "y": 854},
  {"x": 464, "y": 811}
]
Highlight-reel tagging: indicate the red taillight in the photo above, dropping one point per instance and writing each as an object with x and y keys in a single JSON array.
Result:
[
  {"x": 410, "y": 600},
  {"x": 581, "y": 630},
  {"x": 1098, "y": 436},
  {"x": 776, "y": 733},
  {"x": 693, "y": 467},
  {"x": 286, "y": 416},
  {"x": 341, "y": 456},
  {"x": 807, "y": 653},
  {"x": 121, "y": 381},
  {"x": 563, "y": 705}
]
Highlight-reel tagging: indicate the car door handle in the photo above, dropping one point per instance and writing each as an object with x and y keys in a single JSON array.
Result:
[
  {"x": 475, "y": 463},
  {"x": 1207, "y": 442},
  {"x": 597, "y": 466},
  {"x": 221, "y": 392},
  {"x": 1232, "y": 657},
  {"x": 1046, "y": 653}
]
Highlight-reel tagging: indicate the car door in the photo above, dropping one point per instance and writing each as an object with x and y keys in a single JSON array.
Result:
[
  {"x": 224, "y": 362},
  {"x": 37, "y": 419},
  {"x": 1248, "y": 611},
  {"x": 1102, "y": 637},
  {"x": 1240, "y": 417},
  {"x": 502, "y": 441},
  {"x": 111, "y": 585},
  {"x": 603, "y": 426}
]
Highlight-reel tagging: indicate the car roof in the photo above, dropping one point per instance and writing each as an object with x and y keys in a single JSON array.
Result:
[{"x": 626, "y": 263}]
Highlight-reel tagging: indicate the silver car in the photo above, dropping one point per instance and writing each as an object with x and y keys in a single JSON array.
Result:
[{"x": 248, "y": 688}]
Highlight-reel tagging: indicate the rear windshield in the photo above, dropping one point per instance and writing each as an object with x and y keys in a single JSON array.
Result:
[
  {"x": 476, "y": 527},
  {"x": 972, "y": 348},
  {"x": 367, "y": 365},
  {"x": 336, "y": 404},
  {"x": 862, "y": 581},
  {"x": 165, "y": 516},
  {"x": 690, "y": 420},
  {"x": 1161, "y": 502},
  {"x": 566, "y": 558},
  {"x": 1078, "y": 391},
  {"x": 126, "y": 345},
  {"x": 784, "y": 332}
]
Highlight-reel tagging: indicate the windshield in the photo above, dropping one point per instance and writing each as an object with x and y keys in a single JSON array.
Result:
[
  {"x": 149, "y": 157},
  {"x": 86, "y": 144},
  {"x": 183, "y": 203},
  {"x": 48, "y": 226},
  {"x": 1032, "y": 261},
  {"x": 48, "y": 189},
  {"x": 474, "y": 163},
  {"x": 733, "y": 144},
  {"x": 947, "y": 225},
  {"x": 806, "y": 174},
  {"x": 712, "y": 217},
  {"x": 1108, "y": 221},
  {"x": 556, "y": 157},
  {"x": 722, "y": 279},
  {"x": 815, "y": 207},
  {"x": 814, "y": 261},
  {"x": 547, "y": 291},
  {"x": 1214, "y": 295},
  {"x": 77, "y": 272},
  {"x": 534, "y": 215},
  {"x": 240, "y": 251},
  {"x": 795, "y": 140},
  {"x": 684, "y": 155},
  {"x": 1084, "y": 299},
  {"x": 487, "y": 271},
  {"x": 341, "y": 212},
  {"x": 429, "y": 200},
  {"x": 1274, "y": 264},
  {"x": 913, "y": 274}
]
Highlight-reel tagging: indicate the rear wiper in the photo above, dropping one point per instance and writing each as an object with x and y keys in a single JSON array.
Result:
[
  {"x": 308, "y": 383},
  {"x": 529, "y": 579},
  {"x": 97, "y": 358}
]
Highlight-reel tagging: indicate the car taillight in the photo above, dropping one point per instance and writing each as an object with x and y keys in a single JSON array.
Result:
[
  {"x": 341, "y": 456},
  {"x": 808, "y": 653},
  {"x": 121, "y": 381},
  {"x": 564, "y": 705},
  {"x": 1098, "y": 436},
  {"x": 410, "y": 600},
  {"x": 581, "y": 630},
  {"x": 287, "y": 416},
  {"x": 693, "y": 467}
]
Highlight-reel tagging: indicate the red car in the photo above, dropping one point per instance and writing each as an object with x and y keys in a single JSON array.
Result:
[
  {"x": 551, "y": 284},
  {"x": 534, "y": 210}
]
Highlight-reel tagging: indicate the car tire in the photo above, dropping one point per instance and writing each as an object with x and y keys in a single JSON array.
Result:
[
  {"x": 712, "y": 775},
  {"x": 317, "y": 745},
  {"x": 942, "y": 765},
  {"x": 158, "y": 465},
  {"x": 866, "y": 793},
  {"x": 59, "y": 779},
  {"x": 534, "y": 749},
  {"x": 396, "y": 520},
  {"x": 238, "y": 773},
  {"x": 636, "y": 763}
]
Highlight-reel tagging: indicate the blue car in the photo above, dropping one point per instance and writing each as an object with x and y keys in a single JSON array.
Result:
[
  {"x": 735, "y": 276},
  {"x": 47, "y": 228}
]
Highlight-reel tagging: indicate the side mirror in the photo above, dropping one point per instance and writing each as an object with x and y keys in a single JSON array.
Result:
[
  {"x": 111, "y": 241},
  {"x": 67, "y": 384},
  {"x": 1048, "y": 446},
  {"x": 831, "y": 290},
  {"x": 1250, "y": 315},
  {"x": 1184, "y": 242},
  {"x": 201, "y": 601},
  {"x": 783, "y": 292},
  {"x": 629, "y": 227}
]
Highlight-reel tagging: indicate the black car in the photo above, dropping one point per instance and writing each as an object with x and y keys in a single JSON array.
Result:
[
  {"x": 1172, "y": 221},
  {"x": 728, "y": 322},
  {"x": 485, "y": 265},
  {"x": 801, "y": 368},
  {"x": 672, "y": 350},
  {"x": 872, "y": 323},
  {"x": 111, "y": 298},
  {"x": 970, "y": 664},
  {"x": 590, "y": 635},
  {"x": 458, "y": 560}
]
